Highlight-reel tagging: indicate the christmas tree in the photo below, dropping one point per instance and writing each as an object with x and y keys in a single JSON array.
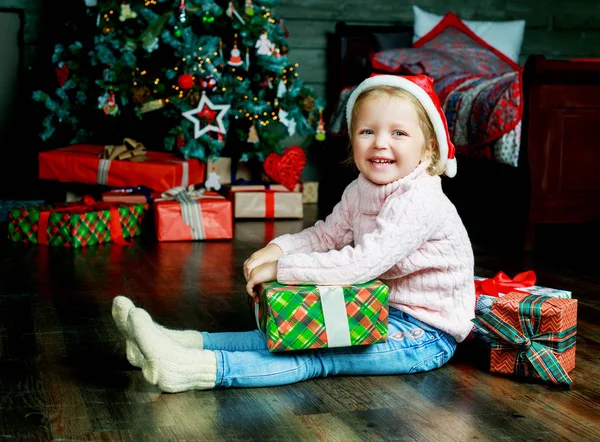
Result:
[{"x": 192, "y": 74}]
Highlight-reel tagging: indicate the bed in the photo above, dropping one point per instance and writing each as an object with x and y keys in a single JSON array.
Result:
[{"x": 547, "y": 176}]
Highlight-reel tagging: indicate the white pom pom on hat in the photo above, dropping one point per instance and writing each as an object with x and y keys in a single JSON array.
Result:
[{"x": 421, "y": 87}]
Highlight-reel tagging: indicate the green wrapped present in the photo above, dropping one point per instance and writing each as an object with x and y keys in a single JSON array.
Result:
[
  {"x": 310, "y": 317},
  {"x": 76, "y": 224}
]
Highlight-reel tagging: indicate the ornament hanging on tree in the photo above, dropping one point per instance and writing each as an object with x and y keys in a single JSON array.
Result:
[
  {"x": 247, "y": 59},
  {"x": 213, "y": 181},
  {"x": 231, "y": 11},
  {"x": 62, "y": 73},
  {"x": 208, "y": 83},
  {"x": 207, "y": 18},
  {"x": 182, "y": 13},
  {"x": 185, "y": 81},
  {"x": 263, "y": 45},
  {"x": 320, "y": 135},
  {"x": 108, "y": 104},
  {"x": 206, "y": 113},
  {"x": 266, "y": 82},
  {"x": 220, "y": 49},
  {"x": 177, "y": 32},
  {"x": 179, "y": 141},
  {"x": 290, "y": 124},
  {"x": 281, "y": 89},
  {"x": 140, "y": 95},
  {"x": 152, "y": 46},
  {"x": 235, "y": 59},
  {"x": 126, "y": 12},
  {"x": 277, "y": 53},
  {"x": 249, "y": 9},
  {"x": 252, "y": 135}
]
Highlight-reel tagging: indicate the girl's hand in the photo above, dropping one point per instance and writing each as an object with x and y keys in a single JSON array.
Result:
[
  {"x": 270, "y": 253},
  {"x": 263, "y": 273}
]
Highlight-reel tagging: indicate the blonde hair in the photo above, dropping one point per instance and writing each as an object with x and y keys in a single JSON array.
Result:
[{"x": 436, "y": 167}]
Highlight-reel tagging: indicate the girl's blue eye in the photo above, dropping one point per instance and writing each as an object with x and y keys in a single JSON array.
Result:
[
  {"x": 399, "y": 133},
  {"x": 366, "y": 131}
]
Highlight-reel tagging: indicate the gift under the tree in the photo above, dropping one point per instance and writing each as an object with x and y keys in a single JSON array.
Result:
[
  {"x": 310, "y": 317},
  {"x": 78, "y": 224},
  {"x": 130, "y": 195},
  {"x": 266, "y": 203},
  {"x": 310, "y": 191},
  {"x": 532, "y": 336},
  {"x": 227, "y": 172},
  {"x": 187, "y": 215},
  {"x": 82, "y": 163}
]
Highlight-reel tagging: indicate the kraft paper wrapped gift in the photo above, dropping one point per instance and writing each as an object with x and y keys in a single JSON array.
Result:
[
  {"x": 266, "y": 203},
  {"x": 310, "y": 317},
  {"x": 77, "y": 224},
  {"x": 223, "y": 168},
  {"x": 186, "y": 215},
  {"x": 532, "y": 336},
  {"x": 81, "y": 163}
]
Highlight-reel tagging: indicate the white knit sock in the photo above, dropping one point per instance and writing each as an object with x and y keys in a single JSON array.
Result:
[
  {"x": 168, "y": 364},
  {"x": 120, "y": 311}
]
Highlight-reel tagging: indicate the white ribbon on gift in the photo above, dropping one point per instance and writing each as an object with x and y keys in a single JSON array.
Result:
[
  {"x": 334, "y": 314},
  {"x": 190, "y": 207},
  {"x": 104, "y": 166}
]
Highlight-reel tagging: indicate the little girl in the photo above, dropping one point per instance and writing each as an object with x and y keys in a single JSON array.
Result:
[{"x": 393, "y": 223}]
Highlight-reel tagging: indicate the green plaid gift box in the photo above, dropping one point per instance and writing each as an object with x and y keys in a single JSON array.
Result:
[
  {"x": 310, "y": 317},
  {"x": 76, "y": 224}
]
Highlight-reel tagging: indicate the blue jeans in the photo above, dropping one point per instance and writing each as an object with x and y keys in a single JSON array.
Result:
[{"x": 243, "y": 359}]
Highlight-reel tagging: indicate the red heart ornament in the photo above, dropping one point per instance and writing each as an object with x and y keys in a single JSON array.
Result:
[
  {"x": 286, "y": 169},
  {"x": 62, "y": 73}
]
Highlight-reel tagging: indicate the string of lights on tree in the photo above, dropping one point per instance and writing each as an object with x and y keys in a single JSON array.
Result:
[{"x": 208, "y": 68}]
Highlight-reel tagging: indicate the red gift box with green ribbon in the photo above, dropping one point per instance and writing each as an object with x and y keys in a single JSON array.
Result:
[
  {"x": 310, "y": 317},
  {"x": 532, "y": 336},
  {"x": 77, "y": 224}
]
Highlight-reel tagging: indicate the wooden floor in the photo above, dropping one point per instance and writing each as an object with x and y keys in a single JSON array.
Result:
[{"x": 64, "y": 375}]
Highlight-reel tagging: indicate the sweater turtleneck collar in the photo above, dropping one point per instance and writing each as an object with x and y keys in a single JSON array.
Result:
[{"x": 372, "y": 196}]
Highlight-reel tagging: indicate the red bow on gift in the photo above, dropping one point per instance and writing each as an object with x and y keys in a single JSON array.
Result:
[{"x": 501, "y": 283}]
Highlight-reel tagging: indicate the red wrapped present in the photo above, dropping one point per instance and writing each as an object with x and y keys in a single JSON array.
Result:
[
  {"x": 130, "y": 195},
  {"x": 532, "y": 335},
  {"x": 186, "y": 215},
  {"x": 81, "y": 163}
]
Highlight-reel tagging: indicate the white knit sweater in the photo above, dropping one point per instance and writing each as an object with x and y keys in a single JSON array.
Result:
[{"x": 408, "y": 234}]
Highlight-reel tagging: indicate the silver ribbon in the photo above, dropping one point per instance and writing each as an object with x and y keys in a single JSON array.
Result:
[
  {"x": 103, "y": 171},
  {"x": 190, "y": 208},
  {"x": 185, "y": 172},
  {"x": 335, "y": 315}
]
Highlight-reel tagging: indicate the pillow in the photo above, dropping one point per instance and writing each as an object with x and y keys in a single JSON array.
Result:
[
  {"x": 449, "y": 48},
  {"x": 506, "y": 36}
]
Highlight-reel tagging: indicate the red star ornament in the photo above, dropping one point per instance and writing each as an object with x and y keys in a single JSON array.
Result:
[{"x": 206, "y": 110}]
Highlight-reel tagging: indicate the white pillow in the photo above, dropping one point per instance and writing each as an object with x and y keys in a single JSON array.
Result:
[{"x": 506, "y": 36}]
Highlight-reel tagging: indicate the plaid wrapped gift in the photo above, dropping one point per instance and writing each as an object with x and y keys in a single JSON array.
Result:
[
  {"x": 77, "y": 224},
  {"x": 489, "y": 290},
  {"x": 532, "y": 335},
  {"x": 310, "y": 317}
]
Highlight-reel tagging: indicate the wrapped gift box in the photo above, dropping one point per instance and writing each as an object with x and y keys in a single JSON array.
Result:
[
  {"x": 76, "y": 224},
  {"x": 223, "y": 168},
  {"x": 130, "y": 195},
  {"x": 532, "y": 335},
  {"x": 7, "y": 205},
  {"x": 310, "y": 192},
  {"x": 195, "y": 217},
  {"x": 489, "y": 290},
  {"x": 311, "y": 317},
  {"x": 266, "y": 203},
  {"x": 80, "y": 163}
]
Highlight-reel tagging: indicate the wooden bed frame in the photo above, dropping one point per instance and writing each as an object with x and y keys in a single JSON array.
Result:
[{"x": 558, "y": 175}]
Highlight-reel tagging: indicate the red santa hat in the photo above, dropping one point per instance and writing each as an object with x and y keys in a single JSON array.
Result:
[{"x": 421, "y": 87}]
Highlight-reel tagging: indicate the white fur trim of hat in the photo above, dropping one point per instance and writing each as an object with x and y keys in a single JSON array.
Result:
[{"x": 426, "y": 98}]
